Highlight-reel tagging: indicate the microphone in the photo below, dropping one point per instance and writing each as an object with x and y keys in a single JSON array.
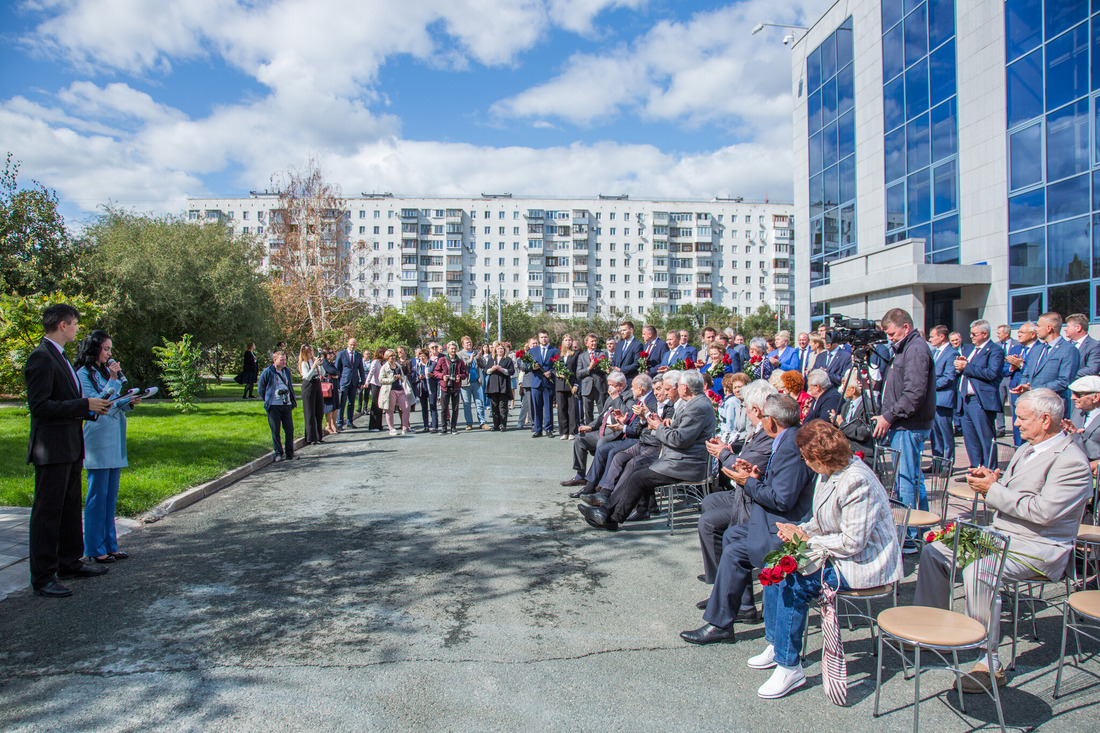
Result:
[{"x": 121, "y": 376}]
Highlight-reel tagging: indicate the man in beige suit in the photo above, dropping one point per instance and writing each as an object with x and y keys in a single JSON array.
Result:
[{"x": 1038, "y": 502}]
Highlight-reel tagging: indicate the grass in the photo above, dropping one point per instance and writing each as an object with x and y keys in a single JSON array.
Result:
[{"x": 168, "y": 451}]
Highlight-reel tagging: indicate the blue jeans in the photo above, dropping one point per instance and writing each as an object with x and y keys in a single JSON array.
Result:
[
  {"x": 99, "y": 512},
  {"x": 786, "y": 606},
  {"x": 472, "y": 400},
  {"x": 909, "y": 479}
]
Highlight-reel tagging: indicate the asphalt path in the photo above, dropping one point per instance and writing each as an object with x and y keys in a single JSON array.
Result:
[{"x": 435, "y": 583}]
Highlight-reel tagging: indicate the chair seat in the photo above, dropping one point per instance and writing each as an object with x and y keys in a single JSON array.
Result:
[
  {"x": 878, "y": 590},
  {"x": 1088, "y": 533},
  {"x": 935, "y": 627},
  {"x": 961, "y": 491},
  {"x": 922, "y": 518},
  {"x": 1086, "y": 603}
]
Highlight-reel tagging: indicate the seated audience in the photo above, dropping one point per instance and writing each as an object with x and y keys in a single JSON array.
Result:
[
  {"x": 852, "y": 531},
  {"x": 683, "y": 457},
  {"x": 603, "y": 427},
  {"x": 630, "y": 422},
  {"x": 826, "y": 397},
  {"x": 1038, "y": 505},
  {"x": 781, "y": 492},
  {"x": 794, "y": 385},
  {"x": 731, "y": 416},
  {"x": 853, "y": 418}
]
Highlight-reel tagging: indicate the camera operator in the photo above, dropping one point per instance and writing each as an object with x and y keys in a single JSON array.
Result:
[
  {"x": 908, "y": 404},
  {"x": 279, "y": 401}
]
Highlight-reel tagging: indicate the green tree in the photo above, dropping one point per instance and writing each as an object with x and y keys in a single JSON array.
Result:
[
  {"x": 36, "y": 253},
  {"x": 438, "y": 316},
  {"x": 162, "y": 277},
  {"x": 21, "y": 330},
  {"x": 763, "y": 323},
  {"x": 179, "y": 363},
  {"x": 516, "y": 321}
]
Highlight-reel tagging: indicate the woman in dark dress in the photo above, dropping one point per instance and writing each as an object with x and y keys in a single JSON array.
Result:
[
  {"x": 249, "y": 371},
  {"x": 331, "y": 375},
  {"x": 566, "y": 390},
  {"x": 498, "y": 371}
]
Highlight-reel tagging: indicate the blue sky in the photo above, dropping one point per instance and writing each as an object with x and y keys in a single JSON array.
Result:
[{"x": 145, "y": 103}]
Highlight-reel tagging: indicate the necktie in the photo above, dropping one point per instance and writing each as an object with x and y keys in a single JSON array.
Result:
[
  {"x": 1025, "y": 454},
  {"x": 603, "y": 425}
]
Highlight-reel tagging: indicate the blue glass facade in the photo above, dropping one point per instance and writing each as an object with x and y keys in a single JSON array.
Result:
[
  {"x": 830, "y": 87},
  {"x": 1053, "y": 157},
  {"x": 921, "y": 126}
]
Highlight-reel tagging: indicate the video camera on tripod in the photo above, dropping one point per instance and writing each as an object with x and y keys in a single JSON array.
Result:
[{"x": 863, "y": 336}]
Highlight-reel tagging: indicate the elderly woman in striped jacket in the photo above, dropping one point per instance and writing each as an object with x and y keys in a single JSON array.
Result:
[{"x": 852, "y": 544}]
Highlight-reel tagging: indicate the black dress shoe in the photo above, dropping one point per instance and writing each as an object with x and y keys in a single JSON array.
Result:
[
  {"x": 597, "y": 517},
  {"x": 120, "y": 555},
  {"x": 578, "y": 494},
  {"x": 84, "y": 571},
  {"x": 105, "y": 560},
  {"x": 702, "y": 605},
  {"x": 549, "y": 433},
  {"x": 574, "y": 482},
  {"x": 638, "y": 516},
  {"x": 589, "y": 489},
  {"x": 53, "y": 589},
  {"x": 748, "y": 616},
  {"x": 709, "y": 634},
  {"x": 702, "y": 578},
  {"x": 536, "y": 435},
  {"x": 598, "y": 499}
]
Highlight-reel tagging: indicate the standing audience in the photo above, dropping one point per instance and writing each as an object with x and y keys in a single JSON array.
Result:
[
  {"x": 310, "y": 369},
  {"x": 277, "y": 390}
]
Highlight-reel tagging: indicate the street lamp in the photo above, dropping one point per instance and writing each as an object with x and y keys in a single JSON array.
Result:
[{"x": 787, "y": 39}]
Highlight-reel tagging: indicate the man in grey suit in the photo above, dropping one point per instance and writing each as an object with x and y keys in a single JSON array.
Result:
[
  {"x": 1085, "y": 426},
  {"x": 1006, "y": 344},
  {"x": 683, "y": 457},
  {"x": 1038, "y": 502},
  {"x": 592, "y": 382}
]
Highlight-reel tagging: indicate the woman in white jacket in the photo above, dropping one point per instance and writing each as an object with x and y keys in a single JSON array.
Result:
[
  {"x": 392, "y": 394},
  {"x": 853, "y": 543}
]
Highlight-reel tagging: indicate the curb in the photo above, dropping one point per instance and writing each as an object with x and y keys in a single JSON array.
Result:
[{"x": 195, "y": 494}]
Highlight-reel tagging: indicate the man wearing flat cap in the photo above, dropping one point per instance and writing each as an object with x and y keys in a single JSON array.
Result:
[{"x": 1085, "y": 425}]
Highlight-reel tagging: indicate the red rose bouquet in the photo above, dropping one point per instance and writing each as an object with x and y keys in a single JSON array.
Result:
[
  {"x": 716, "y": 401},
  {"x": 755, "y": 367},
  {"x": 560, "y": 369},
  {"x": 643, "y": 361},
  {"x": 526, "y": 361},
  {"x": 682, "y": 365},
  {"x": 969, "y": 549},
  {"x": 784, "y": 561},
  {"x": 600, "y": 363}
]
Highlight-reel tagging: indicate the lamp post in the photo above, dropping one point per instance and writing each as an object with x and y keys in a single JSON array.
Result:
[{"x": 787, "y": 39}]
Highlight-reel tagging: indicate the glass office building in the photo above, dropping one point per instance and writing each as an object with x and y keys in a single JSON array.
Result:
[{"x": 975, "y": 160}]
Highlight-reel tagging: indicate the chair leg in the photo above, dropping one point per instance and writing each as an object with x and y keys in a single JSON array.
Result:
[
  {"x": 916, "y": 688},
  {"x": 668, "y": 509},
  {"x": 1062, "y": 653},
  {"x": 878, "y": 674},
  {"x": 958, "y": 679},
  {"x": 996, "y": 691},
  {"x": 1015, "y": 625}
]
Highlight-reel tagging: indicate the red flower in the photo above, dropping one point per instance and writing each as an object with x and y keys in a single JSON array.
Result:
[
  {"x": 690, "y": 364},
  {"x": 553, "y": 359},
  {"x": 644, "y": 354},
  {"x": 726, "y": 360},
  {"x": 756, "y": 359},
  {"x": 788, "y": 564},
  {"x": 519, "y": 354},
  {"x": 930, "y": 537}
]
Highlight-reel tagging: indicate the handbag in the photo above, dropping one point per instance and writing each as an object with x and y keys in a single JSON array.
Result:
[
  {"x": 410, "y": 395},
  {"x": 326, "y": 390}
]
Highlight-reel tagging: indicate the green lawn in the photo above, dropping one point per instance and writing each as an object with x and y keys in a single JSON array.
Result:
[{"x": 168, "y": 451}]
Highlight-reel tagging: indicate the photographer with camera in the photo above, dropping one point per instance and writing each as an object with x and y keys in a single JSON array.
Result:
[
  {"x": 279, "y": 401},
  {"x": 908, "y": 404}
]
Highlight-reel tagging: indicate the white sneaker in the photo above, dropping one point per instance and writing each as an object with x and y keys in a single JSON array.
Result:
[
  {"x": 393, "y": 432},
  {"x": 765, "y": 659},
  {"x": 782, "y": 681}
]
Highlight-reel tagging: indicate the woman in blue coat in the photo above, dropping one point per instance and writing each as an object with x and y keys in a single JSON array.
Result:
[{"x": 104, "y": 446}]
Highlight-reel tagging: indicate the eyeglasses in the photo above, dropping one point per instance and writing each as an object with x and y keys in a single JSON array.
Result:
[{"x": 1082, "y": 394}]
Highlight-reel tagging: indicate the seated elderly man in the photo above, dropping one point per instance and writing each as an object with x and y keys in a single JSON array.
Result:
[
  {"x": 826, "y": 397},
  {"x": 1085, "y": 425},
  {"x": 1038, "y": 503},
  {"x": 631, "y": 420},
  {"x": 683, "y": 456},
  {"x": 781, "y": 493},
  {"x": 601, "y": 429},
  {"x": 722, "y": 509},
  {"x": 645, "y": 449}
]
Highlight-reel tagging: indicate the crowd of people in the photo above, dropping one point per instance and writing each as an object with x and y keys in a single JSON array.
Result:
[{"x": 787, "y": 435}]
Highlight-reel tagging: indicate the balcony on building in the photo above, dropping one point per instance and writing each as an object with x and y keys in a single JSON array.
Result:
[
  {"x": 535, "y": 214},
  {"x": 410, "y": 213}
]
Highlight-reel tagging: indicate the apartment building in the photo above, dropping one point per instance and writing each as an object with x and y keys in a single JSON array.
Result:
[{"x": 566, "y": 256}]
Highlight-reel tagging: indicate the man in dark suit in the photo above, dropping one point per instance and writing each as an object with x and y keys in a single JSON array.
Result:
[
  {"x": 602, "y": 427},
  {"x": 655, "y": 350},
  {"x": 1006, "y": 343},
  {"x": 722, "y": 509},
  {"x": 56, "y": 448},
  {"x": 625, "y": 357},
  {"x": 645, "y": 401},
  {"x": 827, "y": 398},
  {"x": 1077, "y": 333},
  {"x": 980, "y": 374},
  {"x": 736, "y": 365},
  {"x": 740, "y": 348},
  {"x": 956, "y": 340},
  {"x": 943, "y": 359},
  {"x": 353, "y": 377},
  {"x": 805, "y": 355},
  {"x": 673, "y": 351},
  {"x": 834, "y": 360},
  {"x": 683, "y": 457},
  {"x": 1027, "y": 336},
  {"x": 542, "y": 386},
  {"x": 690, "y": 352},
  {"x": 782, "y": 492},
  {"x": 1055, "y": 364},
  {"x": 592, "y": 382}
]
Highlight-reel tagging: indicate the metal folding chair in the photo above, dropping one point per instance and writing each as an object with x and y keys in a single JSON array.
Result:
[
  {"x": 691, "y": 491},
  {"x": 1081, "y": 613}
]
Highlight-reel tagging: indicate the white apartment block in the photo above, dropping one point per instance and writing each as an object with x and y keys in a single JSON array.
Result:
[{"x": 573, "y": 257}]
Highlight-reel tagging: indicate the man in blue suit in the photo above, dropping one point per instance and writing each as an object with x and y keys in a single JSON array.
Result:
[
  {"x": 955, "y": 339},
  {"x": 1055, "y": 363},
  {"x": 690, "y": 352},
  {"x": 674, "y": 352},
  {"x": 1077, "y": 333},
  {"x": 625, "y": 358},
  {"x": 943, "y": 357},
  {"x": 834, "y": 360},
  {"x": 353, "y": 377},
  {"x": 542, "y": 386},
  {"x": 1027, "y": 336},
  {"x": 806, "y": 356},
  {"x": 978, "y": 393},
  {"x": 655, "y": 349}
]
